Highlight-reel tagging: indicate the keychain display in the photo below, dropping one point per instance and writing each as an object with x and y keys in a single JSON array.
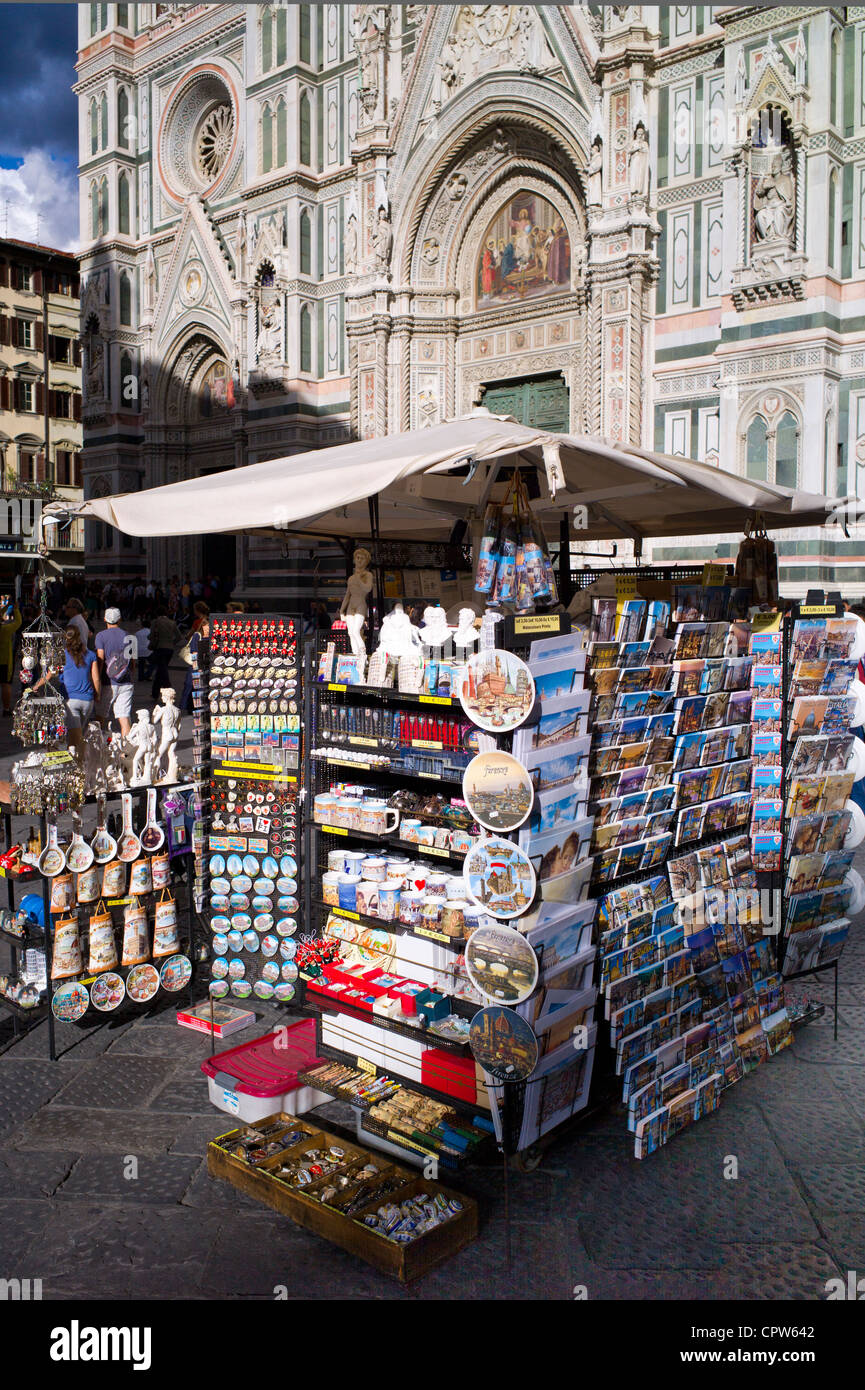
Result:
[{"x": 50, "y": 783}]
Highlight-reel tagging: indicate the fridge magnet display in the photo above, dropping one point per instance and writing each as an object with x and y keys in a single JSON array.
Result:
[
  {"x": 108, "y": 992},
  {"x": 499, "y": 878},
  {"x": 498, "y": 791},
  {"x": 176, "y": 973},
  {"x": 142, "y": 982},
  {"x": 498, "y": 691},
  {"x": 503, "y": 1043},
  {"x": 70, "y": 1002},
  {"x": 501, "y": 964}
]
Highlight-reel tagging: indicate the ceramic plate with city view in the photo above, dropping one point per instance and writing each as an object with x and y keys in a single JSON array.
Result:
[
  {"x": 498, "y": 791},
  {"x": 498, "y": 691},
  {"x": 503, "y": 1043},
  {"x": 501, "y": 964},
  {"x": 499, "y": 878}
]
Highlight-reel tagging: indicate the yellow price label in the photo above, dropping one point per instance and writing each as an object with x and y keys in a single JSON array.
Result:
[
  {"x": 435, "y": 699},
  {"x": 344, "y": 912},
  {"x": 434, "y": 743},
  {"x": 341, "y": 688},
  {"x": 812, "y": 609},
  {"x": 366, "y": 1066},
  {"x": 626, "y": 586},
  {"x": 539, "y": 622},
  {"x": 714, "y": 575},
  {"x": 433, "y": 935},
  {"x": 334, "y": 829},
  {"x": 397, "y": 1138},
  {"x": 432, "y": 849},
  {"x": 363, "y": 742}
]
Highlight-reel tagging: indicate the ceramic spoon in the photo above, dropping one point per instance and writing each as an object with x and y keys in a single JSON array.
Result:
[
  {"x": 152, "y": 836},
  {"x": 52, "y": 860},
  {"x": 104, "y": 845},
  {"x": 130, "y": 845},
  {"x": 79, "y": 855}
]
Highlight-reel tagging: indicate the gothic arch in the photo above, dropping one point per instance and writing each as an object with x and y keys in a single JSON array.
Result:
[
  {"x": 185, "y": 365},
  {"x": 550, "y": 129}
]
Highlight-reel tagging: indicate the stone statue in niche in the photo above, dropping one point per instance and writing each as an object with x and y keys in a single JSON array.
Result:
[
  {"x": 351, "y": 245},
  {"x": 775, "y": 200},
  {"x": 383, "y": 242},
  {"x": 638, "y": 164},
  {"x": 95, "y": 378},
  {"x": 594, "y": 174},
  {"x": 268, "y": 344}
]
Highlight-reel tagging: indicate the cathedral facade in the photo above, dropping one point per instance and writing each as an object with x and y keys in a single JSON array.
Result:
[{"x": 302, "y": 224}]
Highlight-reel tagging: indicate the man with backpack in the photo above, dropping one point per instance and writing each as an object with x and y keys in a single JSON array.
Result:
[{"x": 115, "y": 648}]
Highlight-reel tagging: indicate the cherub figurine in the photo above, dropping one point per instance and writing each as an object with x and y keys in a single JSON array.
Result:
[
  {"x": 144, "y": 738},
  {"x": 169, "y": 716}
]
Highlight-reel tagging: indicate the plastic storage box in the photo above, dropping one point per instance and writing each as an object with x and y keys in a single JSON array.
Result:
[{"x": 259, "y": 1077}]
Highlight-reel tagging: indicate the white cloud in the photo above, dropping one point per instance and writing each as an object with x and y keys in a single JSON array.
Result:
[{"x": 45, "y": 189}]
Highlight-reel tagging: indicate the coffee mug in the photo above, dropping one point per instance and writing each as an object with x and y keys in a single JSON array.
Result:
[
  {"x": 431, "y": 912},
  {"x": 367, "y": 898},
  {"x": 353, "y": 860},
  {"x": 375, "y": 868},
  {"x": 336, "y": 861},
  {"x": 436, "y": 885},
  {"x": 455, "y": 887},
  {"x": 426, "y": 835},
  {"x": 453, "y": 917},
  {"x": 388, "y": 899},
  {"x": 377, "y": 818},
  {"x": 347, "y": 890},
  {"x": 461, "y": 841},
  {"x": 443, "y": 837},
  {"x": 330, "y": 888},
  {"x": 346, "y": 813},
  {"x": 323, "y": 808},
  {"x": 409, "y": 830},
  {"x": 410, "y": 905},
  {"x": 472, "y": 919}
]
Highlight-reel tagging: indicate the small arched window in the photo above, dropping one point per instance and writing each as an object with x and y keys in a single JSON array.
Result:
[
  {"x": 281, "y": 155},
  {"x": 128, "y": 384},
  {"x": 305, "y": 243},
  {"x": 305, "y": 129},
  {"x": 94, "y": 127},
  {"x": 832, "y": 221},
  {"x": 125, "y": 299},
  {"x": 123, "y": 131},
  {"x": 757, "y": 450},
  {"x": 123, "y": 16},
  {"x": 123, "y": 219},
  {"x": 787, "y": 451},
  {"x": 94, "y": 210},
  {"x": 103, "y": 121},
  {"x": 306, "y": 339},
  {"x": 103, "y": 206},
  {"x": 280, "y": 36},
  {"x": 835, "y": 80},
  {"x": 266, "y": 139}
]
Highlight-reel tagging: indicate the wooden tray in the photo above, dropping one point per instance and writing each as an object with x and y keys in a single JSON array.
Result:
[{"x": 405, "y": 1262}]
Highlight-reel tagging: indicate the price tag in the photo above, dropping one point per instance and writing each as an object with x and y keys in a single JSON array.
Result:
[
  {"x": 434, "y": 743},
  {"x": 333, "y": 829},
  {"x": 340, "y": 688},
  {"x": 431, "y": 776},
  {"x": 812, "y": 609},
  {"x": 435, "y": 699},
  {"x": 626, "y": 587},
  {"x": 538, "y": 622},
  {"x": 364, "y": 742},
  {"x": 119, "y": 902},
  {"x": 432, "y": 934},
  {"x": 397, "y": 1138},
  {"x": 344, "y": 912},
  {"x": 365, "y": 1066},
  {"x": 714, "y": 575},
  {"x": 434, "y": 849}
]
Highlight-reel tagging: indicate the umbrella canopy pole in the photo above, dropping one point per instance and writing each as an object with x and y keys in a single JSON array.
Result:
[{"x": 372, "y": 503}]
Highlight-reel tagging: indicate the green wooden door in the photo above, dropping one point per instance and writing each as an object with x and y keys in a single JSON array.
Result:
[{"x": 541, "y": 402}]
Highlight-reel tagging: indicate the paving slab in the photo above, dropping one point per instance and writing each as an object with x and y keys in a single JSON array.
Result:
[
  {"x": 98, "y": 1131},
  {"x": 129, "y": 1178}
]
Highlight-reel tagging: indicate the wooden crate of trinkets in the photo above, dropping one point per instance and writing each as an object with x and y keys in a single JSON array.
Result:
[{"x": 337, "y": 1212}]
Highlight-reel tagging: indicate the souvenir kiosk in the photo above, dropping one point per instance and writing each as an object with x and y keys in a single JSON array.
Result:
[{"x": 534, "y": 841}]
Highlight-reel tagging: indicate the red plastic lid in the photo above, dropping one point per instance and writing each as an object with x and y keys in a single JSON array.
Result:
[{"x": 260, "y": 1068}]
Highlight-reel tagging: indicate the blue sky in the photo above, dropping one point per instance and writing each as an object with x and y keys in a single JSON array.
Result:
[{"x": 38, "y": 121}]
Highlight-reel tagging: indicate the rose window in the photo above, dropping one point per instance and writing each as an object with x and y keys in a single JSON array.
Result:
[{"x": 213, "y": 141}]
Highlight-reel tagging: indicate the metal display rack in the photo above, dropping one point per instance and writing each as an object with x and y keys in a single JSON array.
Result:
[{"x": 43, "y": 939}]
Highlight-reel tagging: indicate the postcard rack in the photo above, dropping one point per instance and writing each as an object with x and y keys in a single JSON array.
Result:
[{"x": 43, "y": 939}]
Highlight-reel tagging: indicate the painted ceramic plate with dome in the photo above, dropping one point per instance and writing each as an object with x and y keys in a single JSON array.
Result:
[
  {"x": 498, "y": 691},
  {"x": 503, "y": 1043},
  {"x": 108, "y": 992},
  {"x": 499, "y": 878},
  {"x": 69, "y": 1002},
  {"x": 498, "y": 791},
  {"x": 501, "y": 964},
  {"x": 142, "y": 982}
]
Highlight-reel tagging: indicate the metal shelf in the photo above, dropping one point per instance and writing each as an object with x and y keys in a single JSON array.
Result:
[
  {"x": 452, "y": 943},
  {"x": 326, "y": 1004}
]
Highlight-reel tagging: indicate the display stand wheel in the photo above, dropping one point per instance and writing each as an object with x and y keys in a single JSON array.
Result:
[{"x": 527, "y": 1160}]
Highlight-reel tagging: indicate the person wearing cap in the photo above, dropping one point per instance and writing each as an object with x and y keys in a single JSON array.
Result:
[{"x": 115, "y": 649}]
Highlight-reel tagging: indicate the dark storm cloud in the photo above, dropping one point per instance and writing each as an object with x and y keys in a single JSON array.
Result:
[{"x": 37, "y": 68}]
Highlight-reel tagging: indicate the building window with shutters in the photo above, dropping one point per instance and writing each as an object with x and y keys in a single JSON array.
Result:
[
  {"x": 26, "y": 396},
  {"x": 60, "y": 350},
  {"x": 23, "y": 278},
  {"x": 61, "y": 405},
  {"x": 28, "y": 467},
  {"x": 25, "y": 333}
]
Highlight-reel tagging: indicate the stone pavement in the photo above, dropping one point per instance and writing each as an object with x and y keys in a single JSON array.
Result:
[
  {"x": 130, "y": 1099},
  {"x": 104, "y": 1191}
]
